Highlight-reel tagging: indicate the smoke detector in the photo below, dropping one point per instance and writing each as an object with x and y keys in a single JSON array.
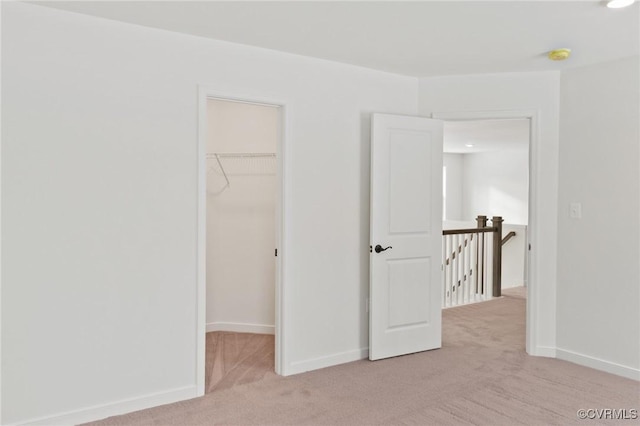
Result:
[{"x": 559, "y": 54}]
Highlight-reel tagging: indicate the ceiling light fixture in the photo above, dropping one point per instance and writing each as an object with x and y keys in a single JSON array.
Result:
[
  {"x": 617, "y": 4},
  {"x": 559, "y": 54},
  {"x": 468, "y": 145}
]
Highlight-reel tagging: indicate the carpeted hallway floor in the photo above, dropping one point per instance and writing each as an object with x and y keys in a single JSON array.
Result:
[{"x": 481, "y": 376}]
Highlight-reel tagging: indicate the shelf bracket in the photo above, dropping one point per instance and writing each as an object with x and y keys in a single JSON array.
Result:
[{"x": 228, "y": 185}]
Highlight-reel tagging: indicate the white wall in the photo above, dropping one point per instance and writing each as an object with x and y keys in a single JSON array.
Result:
[
  {"x": 599, "y": 255},
  {"x": 241, "y": 222},
  {"x": 513, "y": 256},
  {"x": 489, "y": 183},
  {"x": 454, "y": 170},
  {"x": 496, "y": 184},
  {"x": 536, "y": 92},
  {"x": 99, "y": 206}
]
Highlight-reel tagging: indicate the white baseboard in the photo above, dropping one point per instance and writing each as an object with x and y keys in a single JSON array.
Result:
[
  {"x": 599, "y": 364},
  {"x": 326, "y": 361},
  {"x": 544, "y": 351},
  {"x": 98, "y": 412},
  {"x": 237, "y": 327}
]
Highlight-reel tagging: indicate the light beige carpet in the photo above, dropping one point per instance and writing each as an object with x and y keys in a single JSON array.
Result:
[
  {"x": 515, "y": 292},
  {"x": 234, "y": 359},
  {"x": 480, "y": 376}
]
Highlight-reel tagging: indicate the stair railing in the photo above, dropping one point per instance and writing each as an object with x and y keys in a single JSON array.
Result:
[{"x": 471, "y": 262}]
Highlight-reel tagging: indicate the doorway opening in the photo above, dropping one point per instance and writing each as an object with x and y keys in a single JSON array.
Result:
[
  {"x": 486, "y": 173},
  {"x": 240, "y": 232}
]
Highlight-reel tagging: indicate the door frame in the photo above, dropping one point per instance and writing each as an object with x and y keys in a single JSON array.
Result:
[
  {"x": 533, "y": 232},
  {"x": 204, "y": 94}
]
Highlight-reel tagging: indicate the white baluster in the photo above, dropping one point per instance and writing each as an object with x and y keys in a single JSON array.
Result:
[
  {"x": 456, "y": 286},
  {"x": 450, "y": 280},
  {"x": 447, "y": 273},
  {"x": 473, "y": 269},
  {"x": 467, "y": 277},
  {"x": 481, "y": 264},
  {"x": 463, "y": 268},
  {"x": 444, "y": 271}
]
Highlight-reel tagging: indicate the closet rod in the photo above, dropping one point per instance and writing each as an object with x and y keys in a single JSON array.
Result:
[{"x": 218, "y": 156}]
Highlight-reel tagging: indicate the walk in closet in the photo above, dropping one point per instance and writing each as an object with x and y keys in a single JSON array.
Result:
[{"x": 242, "y": 139}]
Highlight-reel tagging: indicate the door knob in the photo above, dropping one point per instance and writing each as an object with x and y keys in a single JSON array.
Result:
[{"x": 379, "y": 248}]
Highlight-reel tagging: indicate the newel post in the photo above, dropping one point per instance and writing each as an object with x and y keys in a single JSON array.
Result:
[{"x": 497, "y": 256}]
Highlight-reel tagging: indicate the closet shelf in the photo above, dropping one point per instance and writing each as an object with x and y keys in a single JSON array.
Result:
[{"x": 218, "y": 156}]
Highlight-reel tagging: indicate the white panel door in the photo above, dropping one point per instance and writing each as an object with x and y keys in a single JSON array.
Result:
[{"x": 406, "y": 235}]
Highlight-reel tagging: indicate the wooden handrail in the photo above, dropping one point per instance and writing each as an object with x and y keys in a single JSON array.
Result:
[
  {"x": 469, "y": 231},
  {"x": 509, "y": 236}
]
